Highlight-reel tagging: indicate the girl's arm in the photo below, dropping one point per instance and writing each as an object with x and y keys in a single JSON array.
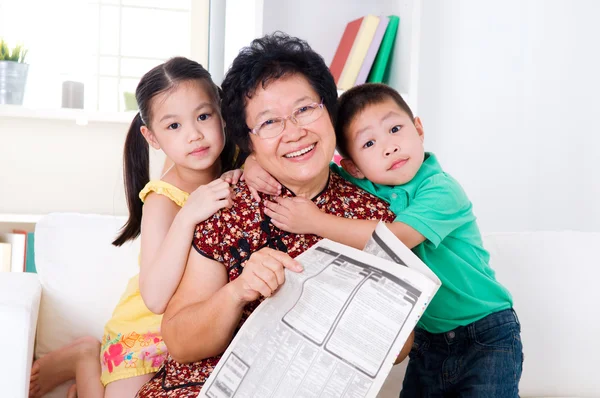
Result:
[
  {"x": 302, "y": 216},
  {"x": 167, "y": 232}
]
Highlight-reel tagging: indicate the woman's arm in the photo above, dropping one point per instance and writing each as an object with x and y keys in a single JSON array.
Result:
[
  {"x": 202, "y": 315},
  {"x": 300, "y": 215},
  {"x": 206, "y": 309},
  {"x": 166, "y": 237}
]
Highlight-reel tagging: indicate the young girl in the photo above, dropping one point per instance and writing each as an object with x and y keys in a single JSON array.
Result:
[{"x": 180, "y": 114}]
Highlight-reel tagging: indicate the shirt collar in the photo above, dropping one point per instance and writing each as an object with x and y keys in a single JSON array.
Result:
[{"x": 429, "y": 168}]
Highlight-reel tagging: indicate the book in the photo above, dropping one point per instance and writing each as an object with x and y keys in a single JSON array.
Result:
[
  {"x": 344, "y": 47},
  {"x": 359, "y": 51},
  {"x": 18, "y": 242},
  {"x": 5, "y": 257},
  {"x": 24, "y": 233},
  {"x": 30, "y": 256},
  {"x": 382, "y": 59},
  {"x": 372, "y": 51},
  {"x": 348, "y": 310}
]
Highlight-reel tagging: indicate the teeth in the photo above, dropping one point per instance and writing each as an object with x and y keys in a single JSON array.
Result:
[{"x": 300, "y": 152}]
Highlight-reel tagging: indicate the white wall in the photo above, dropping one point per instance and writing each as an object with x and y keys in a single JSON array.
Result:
[
  {"x": 509, "y": 96},
  {"x": 56, "y": 165}
]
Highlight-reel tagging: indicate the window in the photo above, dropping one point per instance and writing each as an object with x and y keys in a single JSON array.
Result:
[{"x": 105, "y": 44}]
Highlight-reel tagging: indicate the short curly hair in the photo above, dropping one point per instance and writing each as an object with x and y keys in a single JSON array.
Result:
[{"x": 267, "y": 59}]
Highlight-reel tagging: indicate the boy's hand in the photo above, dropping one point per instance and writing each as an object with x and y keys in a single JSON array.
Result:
[
  {"x": 232, "y": 176},
  {"x": 295, "y": 215},
  {"x": 259, "y": 180}
]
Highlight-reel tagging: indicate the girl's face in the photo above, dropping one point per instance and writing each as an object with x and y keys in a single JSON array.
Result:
[{"x": 187, "y": 126}]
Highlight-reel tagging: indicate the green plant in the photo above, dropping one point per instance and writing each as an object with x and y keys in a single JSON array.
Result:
[{"x": 17, "y": 54}]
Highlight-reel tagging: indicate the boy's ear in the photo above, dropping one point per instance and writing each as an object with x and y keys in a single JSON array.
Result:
[
  {"x": 150, "y": 137},
  {"x": 351, "y": 168},
  {"x": 419, "y": 126}
]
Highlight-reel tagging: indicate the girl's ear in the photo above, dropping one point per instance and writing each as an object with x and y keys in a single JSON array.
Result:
[
  {"x": 150, "y": 137},
  {"x": 351, "y": 168}
]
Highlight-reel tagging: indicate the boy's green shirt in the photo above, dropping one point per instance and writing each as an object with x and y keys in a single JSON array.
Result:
[{"x": 434, "y": 204}]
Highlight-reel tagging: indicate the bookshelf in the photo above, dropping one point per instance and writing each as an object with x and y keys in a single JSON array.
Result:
[
  {"x": 26, "y": 222},
  {"x": 322, "y": 24}
]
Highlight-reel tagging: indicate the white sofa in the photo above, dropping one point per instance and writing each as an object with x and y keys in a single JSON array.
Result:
[{"x": 552, "y": 275}]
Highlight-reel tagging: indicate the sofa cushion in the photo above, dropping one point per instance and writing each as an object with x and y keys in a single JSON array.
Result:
[
  {"x": 82, "y": 275},
  {"x": 19, "y": 304},
  {"x": 553, "y": 277}
]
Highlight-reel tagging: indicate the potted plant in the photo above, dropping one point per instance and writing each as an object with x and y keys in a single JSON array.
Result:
[{"x": 13, "y": 73}]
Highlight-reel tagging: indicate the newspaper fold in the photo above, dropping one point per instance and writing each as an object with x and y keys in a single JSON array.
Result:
[{"x": 333, "y": 330}]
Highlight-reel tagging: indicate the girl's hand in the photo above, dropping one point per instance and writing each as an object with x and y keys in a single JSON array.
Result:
[
  {"x": 259, "y": 180},
  {"x": 295, "y": 215},
  {"x": 263, "y": 274},
  {"x": 206, "y": 200},
  {"x": 232, "y": 176}
]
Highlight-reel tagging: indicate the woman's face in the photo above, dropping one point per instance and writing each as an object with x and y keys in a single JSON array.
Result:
[{"x": 300, "y": 155}]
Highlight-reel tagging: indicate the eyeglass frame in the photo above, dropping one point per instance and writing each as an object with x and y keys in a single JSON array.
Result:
[{"x": 284, "y": 120}]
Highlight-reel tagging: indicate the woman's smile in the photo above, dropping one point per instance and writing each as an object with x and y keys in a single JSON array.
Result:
[{"x": 301, "y": 154}]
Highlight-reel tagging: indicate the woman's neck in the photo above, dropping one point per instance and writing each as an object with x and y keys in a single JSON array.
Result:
[
  {"x": 188, "y": 180},
  {"x": 312, "y": 188}
]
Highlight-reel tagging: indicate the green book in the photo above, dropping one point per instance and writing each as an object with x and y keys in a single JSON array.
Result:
[
  {"x": 30, "y": 257},
  {"x": 379, "y": 70}
]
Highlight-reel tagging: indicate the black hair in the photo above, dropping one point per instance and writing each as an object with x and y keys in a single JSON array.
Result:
[
  {"x": 136, "y": 163},
  {"x": 355, "y": 100},
  {"x": 267, "y": 59}
]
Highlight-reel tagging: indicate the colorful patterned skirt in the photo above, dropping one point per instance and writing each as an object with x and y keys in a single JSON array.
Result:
[{"x": 132, "y": 344}]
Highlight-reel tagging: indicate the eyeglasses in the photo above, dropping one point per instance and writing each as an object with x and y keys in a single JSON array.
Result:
[{"x": 300, "y": 117}]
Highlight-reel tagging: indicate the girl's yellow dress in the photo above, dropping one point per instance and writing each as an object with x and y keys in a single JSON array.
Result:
[{"x": 132, "y": 344}]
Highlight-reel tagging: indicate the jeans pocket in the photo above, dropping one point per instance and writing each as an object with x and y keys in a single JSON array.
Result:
[
  {"x": 498, "y": 338},
  {"x": 420, "y": 345}
]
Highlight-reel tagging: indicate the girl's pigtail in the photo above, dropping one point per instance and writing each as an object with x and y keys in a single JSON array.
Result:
[{"x": 136, "y": 173}]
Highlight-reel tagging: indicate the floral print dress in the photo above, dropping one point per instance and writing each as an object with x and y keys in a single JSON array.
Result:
[{"x": 231, "y": 236}]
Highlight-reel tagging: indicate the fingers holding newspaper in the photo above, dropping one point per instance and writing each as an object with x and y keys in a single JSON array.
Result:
[{"x": 263, "y": 274}]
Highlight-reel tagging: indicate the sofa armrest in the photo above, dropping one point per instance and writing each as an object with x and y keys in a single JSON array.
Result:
[{"x": 19, "y": 305}]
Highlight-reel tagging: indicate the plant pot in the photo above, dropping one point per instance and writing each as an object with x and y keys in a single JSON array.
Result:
[{"x": 13, "y": 76}]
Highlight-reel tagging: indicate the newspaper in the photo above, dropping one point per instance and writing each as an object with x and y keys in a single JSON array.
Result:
[{"x": 333, "y": 330}]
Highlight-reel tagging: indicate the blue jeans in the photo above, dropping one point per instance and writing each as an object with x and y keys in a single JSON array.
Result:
[{"x": 483, "y": 359}]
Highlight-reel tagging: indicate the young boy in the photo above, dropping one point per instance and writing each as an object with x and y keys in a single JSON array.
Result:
[{"x": 467, "y": 342}]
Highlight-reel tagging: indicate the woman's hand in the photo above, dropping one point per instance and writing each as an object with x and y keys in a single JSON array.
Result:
[
  {"x": 232, "y": 176},
  {"x": 263, "y": 274},
  {"x": 296, "y": 215},
  {"x": 206, "y": 200},
  {"x": 259, "y": 180}
]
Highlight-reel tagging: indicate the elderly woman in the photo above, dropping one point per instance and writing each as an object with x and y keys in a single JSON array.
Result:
[{"x": 279, "y": 102}]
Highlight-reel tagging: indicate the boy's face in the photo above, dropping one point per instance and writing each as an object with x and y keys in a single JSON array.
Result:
[{"x": 384, "y": 145}]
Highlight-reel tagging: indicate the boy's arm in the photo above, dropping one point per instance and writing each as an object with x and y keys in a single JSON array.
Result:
[
  {"x": 356, "y": 233},
  {"x": 302, "y": 216}
]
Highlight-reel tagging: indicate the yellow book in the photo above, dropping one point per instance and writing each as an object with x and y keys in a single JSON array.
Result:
[{"x": 359, "y": 51}]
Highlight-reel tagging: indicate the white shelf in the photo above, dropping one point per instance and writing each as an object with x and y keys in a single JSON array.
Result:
[
  {"x": 78, "y": 116},
  {"x": 20, "y": 218}
]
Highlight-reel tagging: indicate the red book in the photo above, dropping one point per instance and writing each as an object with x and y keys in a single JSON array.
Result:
[{"x": 343, "y": 50}]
